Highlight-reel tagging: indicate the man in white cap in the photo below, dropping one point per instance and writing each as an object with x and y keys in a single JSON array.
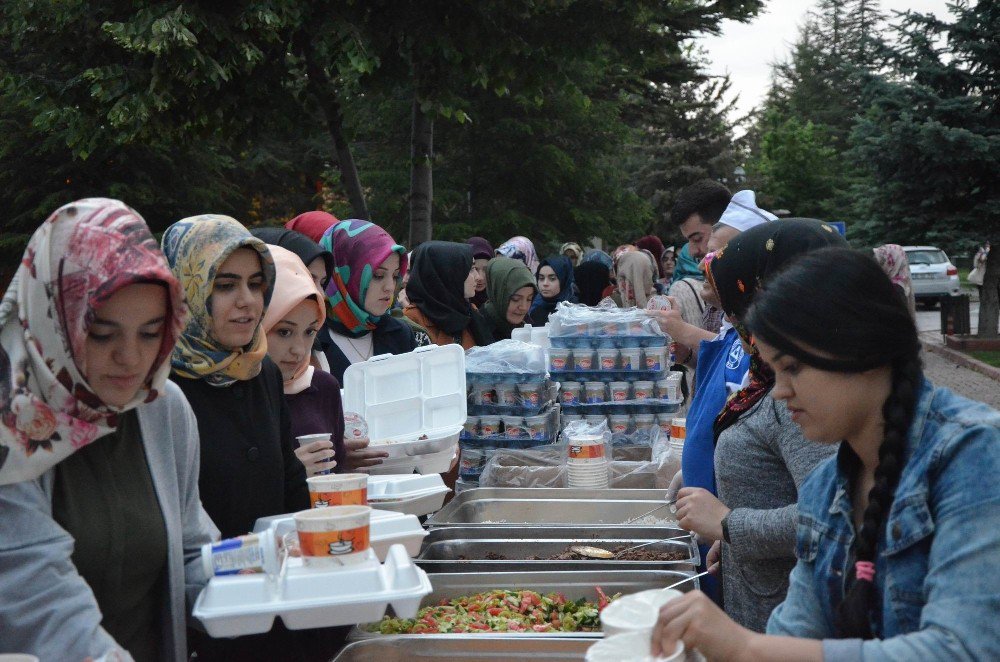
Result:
[{"x": 741, "y": 215}]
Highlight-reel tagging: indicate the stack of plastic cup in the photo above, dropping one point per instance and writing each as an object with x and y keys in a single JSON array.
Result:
[{"x": 587, "y": 462}]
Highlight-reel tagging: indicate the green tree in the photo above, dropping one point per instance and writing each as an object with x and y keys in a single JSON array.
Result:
[{"x": 930, "y": 139}]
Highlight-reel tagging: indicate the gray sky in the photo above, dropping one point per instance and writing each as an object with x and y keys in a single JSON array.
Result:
[{"x": 746, "y": 50}]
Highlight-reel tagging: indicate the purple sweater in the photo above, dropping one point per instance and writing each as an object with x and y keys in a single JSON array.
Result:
[{"x": 318, "y": 409}]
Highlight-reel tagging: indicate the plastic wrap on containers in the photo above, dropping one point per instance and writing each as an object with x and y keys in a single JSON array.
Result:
[
  {"x": 632, "y": 467},
  {"x": 505, "y": 357},
  {"x": 575, "y": 319}
]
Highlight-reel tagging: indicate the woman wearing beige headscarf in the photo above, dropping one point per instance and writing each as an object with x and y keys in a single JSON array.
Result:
[{"x": 635, "y": 279}]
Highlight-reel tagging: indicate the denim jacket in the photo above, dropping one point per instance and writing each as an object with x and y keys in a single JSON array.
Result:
[{"x": 938, "y": 561}]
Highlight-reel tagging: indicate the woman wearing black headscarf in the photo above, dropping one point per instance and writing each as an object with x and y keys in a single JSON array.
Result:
[
  {"x": 442, "y": 281},
  {"x": 592, "y": 278},
  {"x": 317, "y": 259},
  {"x": 555, "y": 284}
]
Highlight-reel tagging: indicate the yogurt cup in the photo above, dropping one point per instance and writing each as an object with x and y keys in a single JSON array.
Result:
[
  {"x": 507, "y": 394},
  {"x": 583, "y": 359},
  {"x": 244, "y": 555},
  {"x": 612, "y": 329},
  {"x": 632, "y": 359},
  {"x": 471, "y": 426},
  {"x": 483, "y": 394},
  {"x": 607, "y": 359},
  {"x": 334, "y": 536},
  {"x": 619, "y": 391},
  {"x": 656, "y": 358},
  {"x": 471, "y": 463},
  {"x": 664, "y": 423},
  {"x": 489, "y": 427},
  {"x": 571, "y": 393},
  {"x": 531, "y": 395},
  {"x": 595, "y": 392},
  {"x": 537, "y": 426},
  {"x": 595, "y": 419},
  {"x": 644, "y": 421},
  {"x": 560, "y": 359},
  {"x": 666, "y": 389},
  {"x": 619, "y": 423},
  {"x": 338, "y": 490},
  {"x": 644, "y": 390},
  {"x": 607, "y": 342},
  {"x": 514, "y": 427}
]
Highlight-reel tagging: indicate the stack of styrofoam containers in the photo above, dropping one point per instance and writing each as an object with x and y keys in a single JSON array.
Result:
[
  {"x": 587, "y": 462},
  {"x": 414, "y": 404}
]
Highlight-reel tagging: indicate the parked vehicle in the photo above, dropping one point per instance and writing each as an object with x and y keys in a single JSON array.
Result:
[{"x": 932, "y": 273}]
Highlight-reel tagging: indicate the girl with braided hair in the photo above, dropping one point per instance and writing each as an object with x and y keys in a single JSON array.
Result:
[{"x": 898, "y": 541}]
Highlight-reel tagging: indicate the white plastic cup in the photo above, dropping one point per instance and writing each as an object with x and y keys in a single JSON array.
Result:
[
  {"x": 664, "y": 421},
  {"x": 537, "y": 426},
  {"x": 471, "y": 426},
  {"x": 338, "y": 490},
  {"x": 656, "y": 358},
  {"x": 595, "y": 392},
  {"x": 244, "y": 555},
  {"x": 334, "y": 536},
  {"x": 507, "y": 394},
  {"x": 514, "y": 427},
  {"x": 631, "y": 359},
  {"x": 489, "y": 426},
  {"x": 583, "y": 359},
  {"x": 619, "y": 423},
  {"x": 560, "y": 359},
  {"x": 644, "y": 421},
  {"x": 306, "y": 439},
  {"x": 667, "y": 389},
  {"x": 607, "y": 359},
  {"x": 619, "y": 391},
  {"x": 571, "y": 393},
  {"x": 586, "y": 450},
  {"x": 644, "y": 390},
  {"x": 531, "y": 395}
]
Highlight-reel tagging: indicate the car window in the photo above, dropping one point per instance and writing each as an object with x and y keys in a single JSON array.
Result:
[{"x": 926, "y": 257}]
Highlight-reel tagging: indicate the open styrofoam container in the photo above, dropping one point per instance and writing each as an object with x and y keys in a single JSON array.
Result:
[
  {"x": 431, "y": 463},
  {"x": 407, "y": 493},
  {"x": 386, "y": 528},
  {"x": 414, "y": 404},
  {"x": 306, "y": 598}
]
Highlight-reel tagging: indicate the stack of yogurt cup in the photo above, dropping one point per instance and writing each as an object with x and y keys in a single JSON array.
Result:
[{"x": 587, "y": 464}]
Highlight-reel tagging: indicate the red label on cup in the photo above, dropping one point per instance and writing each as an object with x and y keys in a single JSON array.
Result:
[
  {"x": 607, "y": 363},
  {"x": 569, "y": 397},
  {"x": 558, "y": 363},
  {"x": 641, "y": 394},
  {"x": 584, "y": 363},
  {"x": 620, "y": 395},
  {"x": 488, "y": 397},
  {"x": 590, "y": 452},
  {"x": 347, "y": 498},
  {"x": 334, "y": 543}
]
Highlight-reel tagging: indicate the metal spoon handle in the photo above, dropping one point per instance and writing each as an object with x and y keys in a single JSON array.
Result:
[
  {"x": 686, "y": 579},
  {"x": 662, "y": 505},
  {"x": 652, "y": 542}
]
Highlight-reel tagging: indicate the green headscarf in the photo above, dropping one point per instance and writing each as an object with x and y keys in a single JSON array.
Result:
[{"x": 504, "y": 277}]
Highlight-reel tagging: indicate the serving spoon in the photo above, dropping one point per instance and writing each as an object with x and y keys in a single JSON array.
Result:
[{"x": 599, "y": 553}]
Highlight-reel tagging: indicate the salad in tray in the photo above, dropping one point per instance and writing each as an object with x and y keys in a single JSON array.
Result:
[{"x": 502, "y": 611}]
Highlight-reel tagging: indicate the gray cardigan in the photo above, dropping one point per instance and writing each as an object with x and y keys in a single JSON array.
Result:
[
  {"x": 760, "y": 462},
  {"x": 46, "y": 608}
]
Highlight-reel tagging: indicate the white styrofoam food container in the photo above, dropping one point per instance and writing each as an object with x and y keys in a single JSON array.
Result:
[
  {"x": 305, "y": 598},
  {"x": 386, "y": 528},
  {"x": 407, "y": 493},
  {"x": 414, "y": 404}
]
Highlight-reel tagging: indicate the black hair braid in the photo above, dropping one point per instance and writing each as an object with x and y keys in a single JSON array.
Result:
[{"x": 854, "y": 613}]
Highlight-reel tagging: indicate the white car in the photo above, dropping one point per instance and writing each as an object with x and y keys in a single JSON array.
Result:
[{"x": 932, "y": 273}]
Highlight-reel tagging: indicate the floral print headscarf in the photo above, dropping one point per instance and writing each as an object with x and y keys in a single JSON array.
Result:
[
  {"x": 520, "y": 248},
  {"x": 892, "y": 259},
  {"x": 359, "y": 248},
  {"x": 196, "y": 248},
  {"x": 79, "y": 258}
]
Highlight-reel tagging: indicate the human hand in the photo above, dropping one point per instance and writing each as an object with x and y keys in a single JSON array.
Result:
[
  {"x": 697, "y": 621},
  {"x": 360, "y": 457},
  {"x": 698, "y": 510},
  {"x": 670, "y": 320},
  {"x": 314, "y": 455},
  {"x": 713, "y": 557}
]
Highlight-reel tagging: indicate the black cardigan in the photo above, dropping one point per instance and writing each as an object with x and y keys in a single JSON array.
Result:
[
  {"x": 391, "y": 336},
  {"x": 248, "y": 463}
]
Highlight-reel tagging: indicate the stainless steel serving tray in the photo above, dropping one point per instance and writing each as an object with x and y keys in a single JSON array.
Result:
[
  {"x": 452, "y": 647},
  {"x": 442, "y": 548},
  {"x": 551, "y": 507},
  {"x": 574, "y": 585}
]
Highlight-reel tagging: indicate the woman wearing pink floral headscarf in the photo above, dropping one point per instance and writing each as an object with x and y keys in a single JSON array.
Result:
[
  {"x": 98, "y": 451},
  {"x": 892, "y": 259}
]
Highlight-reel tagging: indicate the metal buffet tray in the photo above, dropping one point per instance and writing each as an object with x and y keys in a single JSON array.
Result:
[
  {"x": 452, "y": 647},
  {"x": 442, "y": 547},
  {"x": 551, "y": 507},
  {"x": 574, "y": 585}
]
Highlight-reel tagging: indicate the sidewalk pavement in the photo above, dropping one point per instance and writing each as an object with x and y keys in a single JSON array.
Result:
[{"x": 960, "y": 372}]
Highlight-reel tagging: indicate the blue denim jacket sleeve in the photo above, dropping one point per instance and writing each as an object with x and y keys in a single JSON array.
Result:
[{"x": 939, "y": 562}]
